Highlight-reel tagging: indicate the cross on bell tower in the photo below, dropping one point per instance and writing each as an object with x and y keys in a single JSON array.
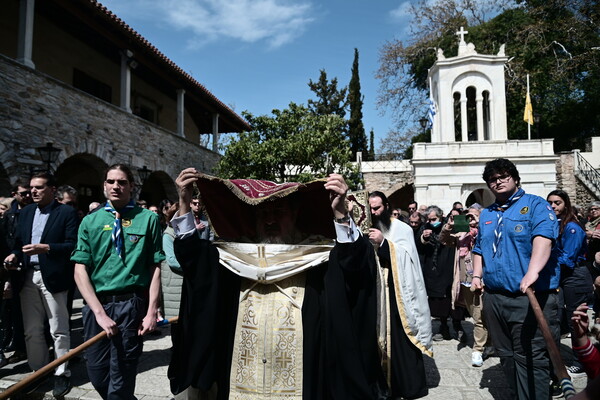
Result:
[{"x": 462, "y": 34}]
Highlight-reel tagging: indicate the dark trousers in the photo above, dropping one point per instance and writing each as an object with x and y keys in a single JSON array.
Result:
[
  {"x": 577, "y": 287},
  {"x": 519, "y": 342},
  {"x": 112, "y": 363}
]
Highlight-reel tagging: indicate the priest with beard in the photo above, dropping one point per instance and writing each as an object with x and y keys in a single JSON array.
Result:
[
  {"x": 405, "y": 314},
  {"x": 276, "y": 308}
]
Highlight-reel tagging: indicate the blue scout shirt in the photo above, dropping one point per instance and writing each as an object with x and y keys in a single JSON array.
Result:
[
  {"x": 528, "y": 217},
  {"x": 572, "y": 245}
]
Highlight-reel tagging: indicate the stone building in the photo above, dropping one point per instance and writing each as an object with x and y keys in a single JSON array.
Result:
[{"x": 75, "y": 75}]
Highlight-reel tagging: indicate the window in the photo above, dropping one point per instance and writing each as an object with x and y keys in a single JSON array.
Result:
[
  {"x": 91, "y": 85},
  {"x": 146, "y": 108}
]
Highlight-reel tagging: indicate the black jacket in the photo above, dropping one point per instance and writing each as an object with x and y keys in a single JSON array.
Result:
[{"x": 60, "y": 233}]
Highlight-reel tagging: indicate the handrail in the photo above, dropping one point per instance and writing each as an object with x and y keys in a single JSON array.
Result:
[{"x": 590, "y": 175}]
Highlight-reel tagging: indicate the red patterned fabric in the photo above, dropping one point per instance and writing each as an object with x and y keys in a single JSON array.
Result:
[
  {"x": 230, "y": 205},
  {"x": 255, "y": 189}
]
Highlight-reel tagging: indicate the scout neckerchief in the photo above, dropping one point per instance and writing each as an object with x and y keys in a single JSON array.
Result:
[
  {"x": 117, "y": 234},
  {"x": 500, "y": 209}
]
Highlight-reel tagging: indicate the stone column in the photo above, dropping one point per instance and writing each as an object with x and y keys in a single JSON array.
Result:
[
  {"x": 479, "y": 106},
  {"x": 464, "y": 132},
  {"x": 180, "y": 112},
  {"x": 125, "y": 102},
  {"x": 215, "y": 125},
  {"x": 25, "y": 36}
]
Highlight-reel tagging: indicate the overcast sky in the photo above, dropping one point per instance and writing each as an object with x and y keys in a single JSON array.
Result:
[{"x": 257, "y": 55}]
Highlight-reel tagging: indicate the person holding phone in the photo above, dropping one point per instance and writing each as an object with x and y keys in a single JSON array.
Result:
[{"x": 463, "y": 240}]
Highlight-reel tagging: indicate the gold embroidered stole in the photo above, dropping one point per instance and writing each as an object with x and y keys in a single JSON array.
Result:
[{"x": 267, "y": 353}]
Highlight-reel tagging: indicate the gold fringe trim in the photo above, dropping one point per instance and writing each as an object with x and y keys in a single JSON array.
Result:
[
  {"x": 255, "y": 201},
  {"x": 400, "y": 303}
]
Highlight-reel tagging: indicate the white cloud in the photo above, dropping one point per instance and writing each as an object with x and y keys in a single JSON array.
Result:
[
  {"x": 401, "y": 12},
  {"x": 276, "y": 22}
]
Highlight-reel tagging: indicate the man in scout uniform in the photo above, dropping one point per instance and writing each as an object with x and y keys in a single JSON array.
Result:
[
  {"x": 513, "y": 252},
  {"x": 117, "y": 271}
]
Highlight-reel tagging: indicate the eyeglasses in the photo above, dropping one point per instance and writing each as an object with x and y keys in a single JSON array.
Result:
[
  {"x": 195, "y": 203},
  {"x": 120, "y": 182},
  {"x": 395, "y": 214},
  {"x": 594, "y": 209},
  {"x": 499, "y": 179},
  {"x": 24, "y": 193}
]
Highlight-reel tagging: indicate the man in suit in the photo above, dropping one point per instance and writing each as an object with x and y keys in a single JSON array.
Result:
[{"x": 45, "y": 238}]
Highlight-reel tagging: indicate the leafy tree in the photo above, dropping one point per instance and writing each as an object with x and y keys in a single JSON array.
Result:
[
  {"x": 330, "y": 99},
  {"x": 555, "y": 42},
  {"x": 293, "y": 144},
  {"x": 356, "y": 130}
]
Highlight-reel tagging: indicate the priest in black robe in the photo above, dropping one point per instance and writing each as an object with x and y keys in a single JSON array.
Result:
[{"x": 275, "y": 309}]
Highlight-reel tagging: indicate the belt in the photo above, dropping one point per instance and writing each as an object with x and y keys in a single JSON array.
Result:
[
  {"x": 518, "y": 294},
  {"x": 107, "y": 298},
  {"x": 35, "y": 266}
]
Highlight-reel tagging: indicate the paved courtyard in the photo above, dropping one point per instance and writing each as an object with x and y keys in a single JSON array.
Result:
[{"x": 449, "y": 374}]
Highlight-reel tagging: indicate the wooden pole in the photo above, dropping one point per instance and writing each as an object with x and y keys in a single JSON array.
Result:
[
  {"x": 559, "y": 366},
  {"x": 17, "y": 387}
]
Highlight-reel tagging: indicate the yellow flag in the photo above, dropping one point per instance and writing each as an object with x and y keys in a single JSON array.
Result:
[{"x": 528, "y": 114}]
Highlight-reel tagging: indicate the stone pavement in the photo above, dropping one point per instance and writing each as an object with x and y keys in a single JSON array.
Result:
[{"x": 449, "y": 374}]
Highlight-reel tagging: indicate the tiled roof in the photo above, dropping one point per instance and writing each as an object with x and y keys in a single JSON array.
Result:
[{"x": 136, "y": 37}]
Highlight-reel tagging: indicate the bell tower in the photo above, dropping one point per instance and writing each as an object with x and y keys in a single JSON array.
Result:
[{"x": 469, "y": 95}]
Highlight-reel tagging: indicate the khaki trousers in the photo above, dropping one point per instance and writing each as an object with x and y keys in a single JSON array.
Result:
[{"x": 474, "y": 306}]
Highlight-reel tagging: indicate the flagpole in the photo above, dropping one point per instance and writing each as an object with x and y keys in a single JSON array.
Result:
[{"x": 528, "y": 125}]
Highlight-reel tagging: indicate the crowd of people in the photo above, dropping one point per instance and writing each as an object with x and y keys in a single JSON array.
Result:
[{"x": 278, "y": 290}]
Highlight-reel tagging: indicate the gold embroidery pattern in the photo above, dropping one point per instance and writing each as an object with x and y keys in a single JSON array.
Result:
[{"x": 267, "y": 354}]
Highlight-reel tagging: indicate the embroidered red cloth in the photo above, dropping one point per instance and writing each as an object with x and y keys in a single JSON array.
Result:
[{"x": 230, "y": 205}]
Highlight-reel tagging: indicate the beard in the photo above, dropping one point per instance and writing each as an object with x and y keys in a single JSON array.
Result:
[{"x": 383, "y": 221}]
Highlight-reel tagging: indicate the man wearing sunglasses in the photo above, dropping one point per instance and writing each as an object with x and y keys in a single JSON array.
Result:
[
  {"x": 117, "y": 270},
  {"x": 45, "y": 237}
]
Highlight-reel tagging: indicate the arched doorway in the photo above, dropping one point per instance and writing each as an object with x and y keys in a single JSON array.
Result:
[
  {"x": 401, "y": 197},
  {"x": 484, "y": 197},
  {"x": 85, "y": 173},
  {"x": 157, "y": 187}
]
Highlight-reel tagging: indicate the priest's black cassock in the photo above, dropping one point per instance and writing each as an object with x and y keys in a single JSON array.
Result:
[{"x": 340, "y": 358}]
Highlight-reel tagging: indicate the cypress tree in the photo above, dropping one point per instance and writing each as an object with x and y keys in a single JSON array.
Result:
[{"x": 356, "y": 130}]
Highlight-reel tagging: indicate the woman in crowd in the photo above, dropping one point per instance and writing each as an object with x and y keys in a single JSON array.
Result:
[
  {"x": 575, "y": 278},
  {"x": 462, "y": 295}
]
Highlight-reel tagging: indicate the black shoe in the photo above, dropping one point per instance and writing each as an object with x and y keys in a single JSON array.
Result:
[
  {"x": 575, "y": 371},
  {"x": 62, "y": 386},
  {"x": 445, "y": 331},
  {"x": 17, "y": 357},
  {"x": 488, "y": 352},
  {"x": 555, "y": 390},
  {"x": 34, "y": 386}
]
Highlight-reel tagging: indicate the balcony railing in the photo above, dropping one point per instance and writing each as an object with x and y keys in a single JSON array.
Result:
[{"x": 587, "y": 173}]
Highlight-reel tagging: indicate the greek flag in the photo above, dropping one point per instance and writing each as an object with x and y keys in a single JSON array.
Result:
[{"x": 430, "y": 113}]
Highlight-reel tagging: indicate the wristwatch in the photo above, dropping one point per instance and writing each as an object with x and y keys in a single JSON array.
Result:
[{"x": 344, "y": 220}]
